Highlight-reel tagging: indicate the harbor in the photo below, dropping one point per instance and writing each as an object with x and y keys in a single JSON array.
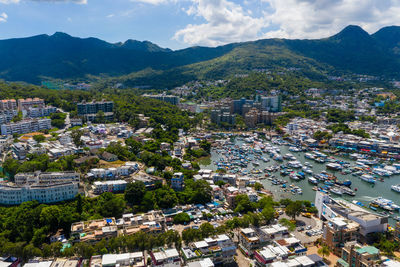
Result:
[{"x": 297, "y": 173}]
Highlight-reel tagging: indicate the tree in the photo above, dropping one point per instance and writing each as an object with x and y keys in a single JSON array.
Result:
[
  {"x": 76, "y": 137},
  {"x": 134, "y": 146},
  {"x": 110, "y": 205},
  {"x": 243, "y": 204},
  {"x": 79, "y": 203},
  {"x": 290, "y": 225},
  {"x": 324, "y": 251},
  {"x": 207, "y": 230},
  {"x": 190, "y": 235},
  {"x": 201, "y": 192},
  {"x": 294, "y": 209},
  {"x": 11, "y": 166},
  {"x": 181, "y": 218},
  {"x": 258, "y": 186},
  {"x": 134, "y": 192},
  {"x": 100, "y": 117},
  {"x": 39, "y": 138}
]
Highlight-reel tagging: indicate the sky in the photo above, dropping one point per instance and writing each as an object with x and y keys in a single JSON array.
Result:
[{"x": 182, "y": 23}]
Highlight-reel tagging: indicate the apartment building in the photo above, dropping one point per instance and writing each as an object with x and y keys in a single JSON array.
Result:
[
  {"x": 11, "y": 194},
  {"x": 7, "y": 115},
  {"x": 337, "y": 232},
  {"x": 329, "y": 208},
  {"x": 37, "y": 112},
  {"x": 94, "y": 230},
  {"x": 357, "y": 255},
  {"x": 46, "y": 177},
  {"x": 25, "y": 126},
  {"x": 172, "y": 99},
  {"x": 90, "y": 110},
  {"x": 25, "y": 104},
  {"x": 8, "y": 104},
  {"x": 165, "y": 258}
]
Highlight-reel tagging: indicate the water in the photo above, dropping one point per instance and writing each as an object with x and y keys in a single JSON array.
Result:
[{"x": 365, "y": 191}]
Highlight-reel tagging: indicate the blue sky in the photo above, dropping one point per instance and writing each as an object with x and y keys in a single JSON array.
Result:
[{"x": 182, "y": 23}]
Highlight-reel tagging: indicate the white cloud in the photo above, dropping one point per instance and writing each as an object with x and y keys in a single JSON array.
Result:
[
  {"x": 3, "y": 17},
  {"x": 110, "y": 16},
  {"x": 9, "y": 2},
  {"x": 226, "y": 21},
  {"x": 322, "y": 18},
  {"x": 50, "y": 1},
  {"x": 153, "y": 2}
]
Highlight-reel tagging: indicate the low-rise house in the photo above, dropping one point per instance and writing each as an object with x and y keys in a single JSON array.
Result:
[
  {"x": 293, "y": 245},
  {"x": 268, "y": 234},
  {"x": 166, "y": 258},
  {"x": 117, "y": 186},
  {"x": 248, "y": 241},
  {"x": 134, "y": 259},
  {"x": 177, "y": 181},
  {"x": 108, "y": 157},
  {"x": 94, "y": 231},
  {"x": 219, "y": 249}
]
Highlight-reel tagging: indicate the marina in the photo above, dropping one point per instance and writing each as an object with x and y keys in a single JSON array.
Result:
[{"x": 297, "y": 174}]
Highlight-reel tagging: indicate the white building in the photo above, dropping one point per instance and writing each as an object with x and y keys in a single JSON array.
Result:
[
  {"x": 25, "y": 126},
  {"x": 43, "y": 193},
  {"x": 166, "y": 258},
  {"x": 109, "y": 186}
]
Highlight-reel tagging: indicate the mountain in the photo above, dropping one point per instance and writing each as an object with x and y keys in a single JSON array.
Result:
[{"x": 62, "y": 56}]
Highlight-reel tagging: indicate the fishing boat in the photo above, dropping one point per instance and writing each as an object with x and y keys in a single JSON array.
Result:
[
  {"x": 396, "y": 188},
  {"x": 294, "y": 149},
  {"x": 294, "y": 164},
  {"x": 368, "y": 178},
  {"x": 336, "y": 191},
  {"x": 334, "y": 166},
  {"x": 312, "y": 180},
  {"x": 293, "y": 176},
  {"x": 385, "y": 204}
]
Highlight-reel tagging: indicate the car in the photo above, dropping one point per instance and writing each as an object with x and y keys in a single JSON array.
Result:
[
  {"x": 309, "y": 233},
  {"x": 301, "y": 229},
  {"x": 308, "y": 227}
]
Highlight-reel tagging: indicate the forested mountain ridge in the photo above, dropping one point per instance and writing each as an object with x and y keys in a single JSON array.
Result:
[{"x": 61, "y": 56}]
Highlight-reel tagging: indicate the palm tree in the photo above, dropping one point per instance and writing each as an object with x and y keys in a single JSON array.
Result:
[{"x": 324, "y": 251}]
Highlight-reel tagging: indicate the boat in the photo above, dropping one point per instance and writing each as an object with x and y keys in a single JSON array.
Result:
[
  {"x": 294, "y": 164},
  {"x": 315, "y": 188},
  {"x": 336, "y": 191},
  {"x": 344, "y": 183},
  {"x": 294, "y": 149},
  {"x": 312, "y": 180},
  {"x": 368, "y": 178},
  {"x": 385, "y": 204},
  {"x": 309, "y": 156},
  {"x": 396, "y": 188},
  {"x": 293, "y": 176},
  {"x": 373, "y": 208},
  {"x": 334, "y": 166}
]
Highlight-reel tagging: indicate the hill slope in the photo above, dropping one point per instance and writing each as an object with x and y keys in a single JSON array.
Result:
[{"x": 62, "y": 56}]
